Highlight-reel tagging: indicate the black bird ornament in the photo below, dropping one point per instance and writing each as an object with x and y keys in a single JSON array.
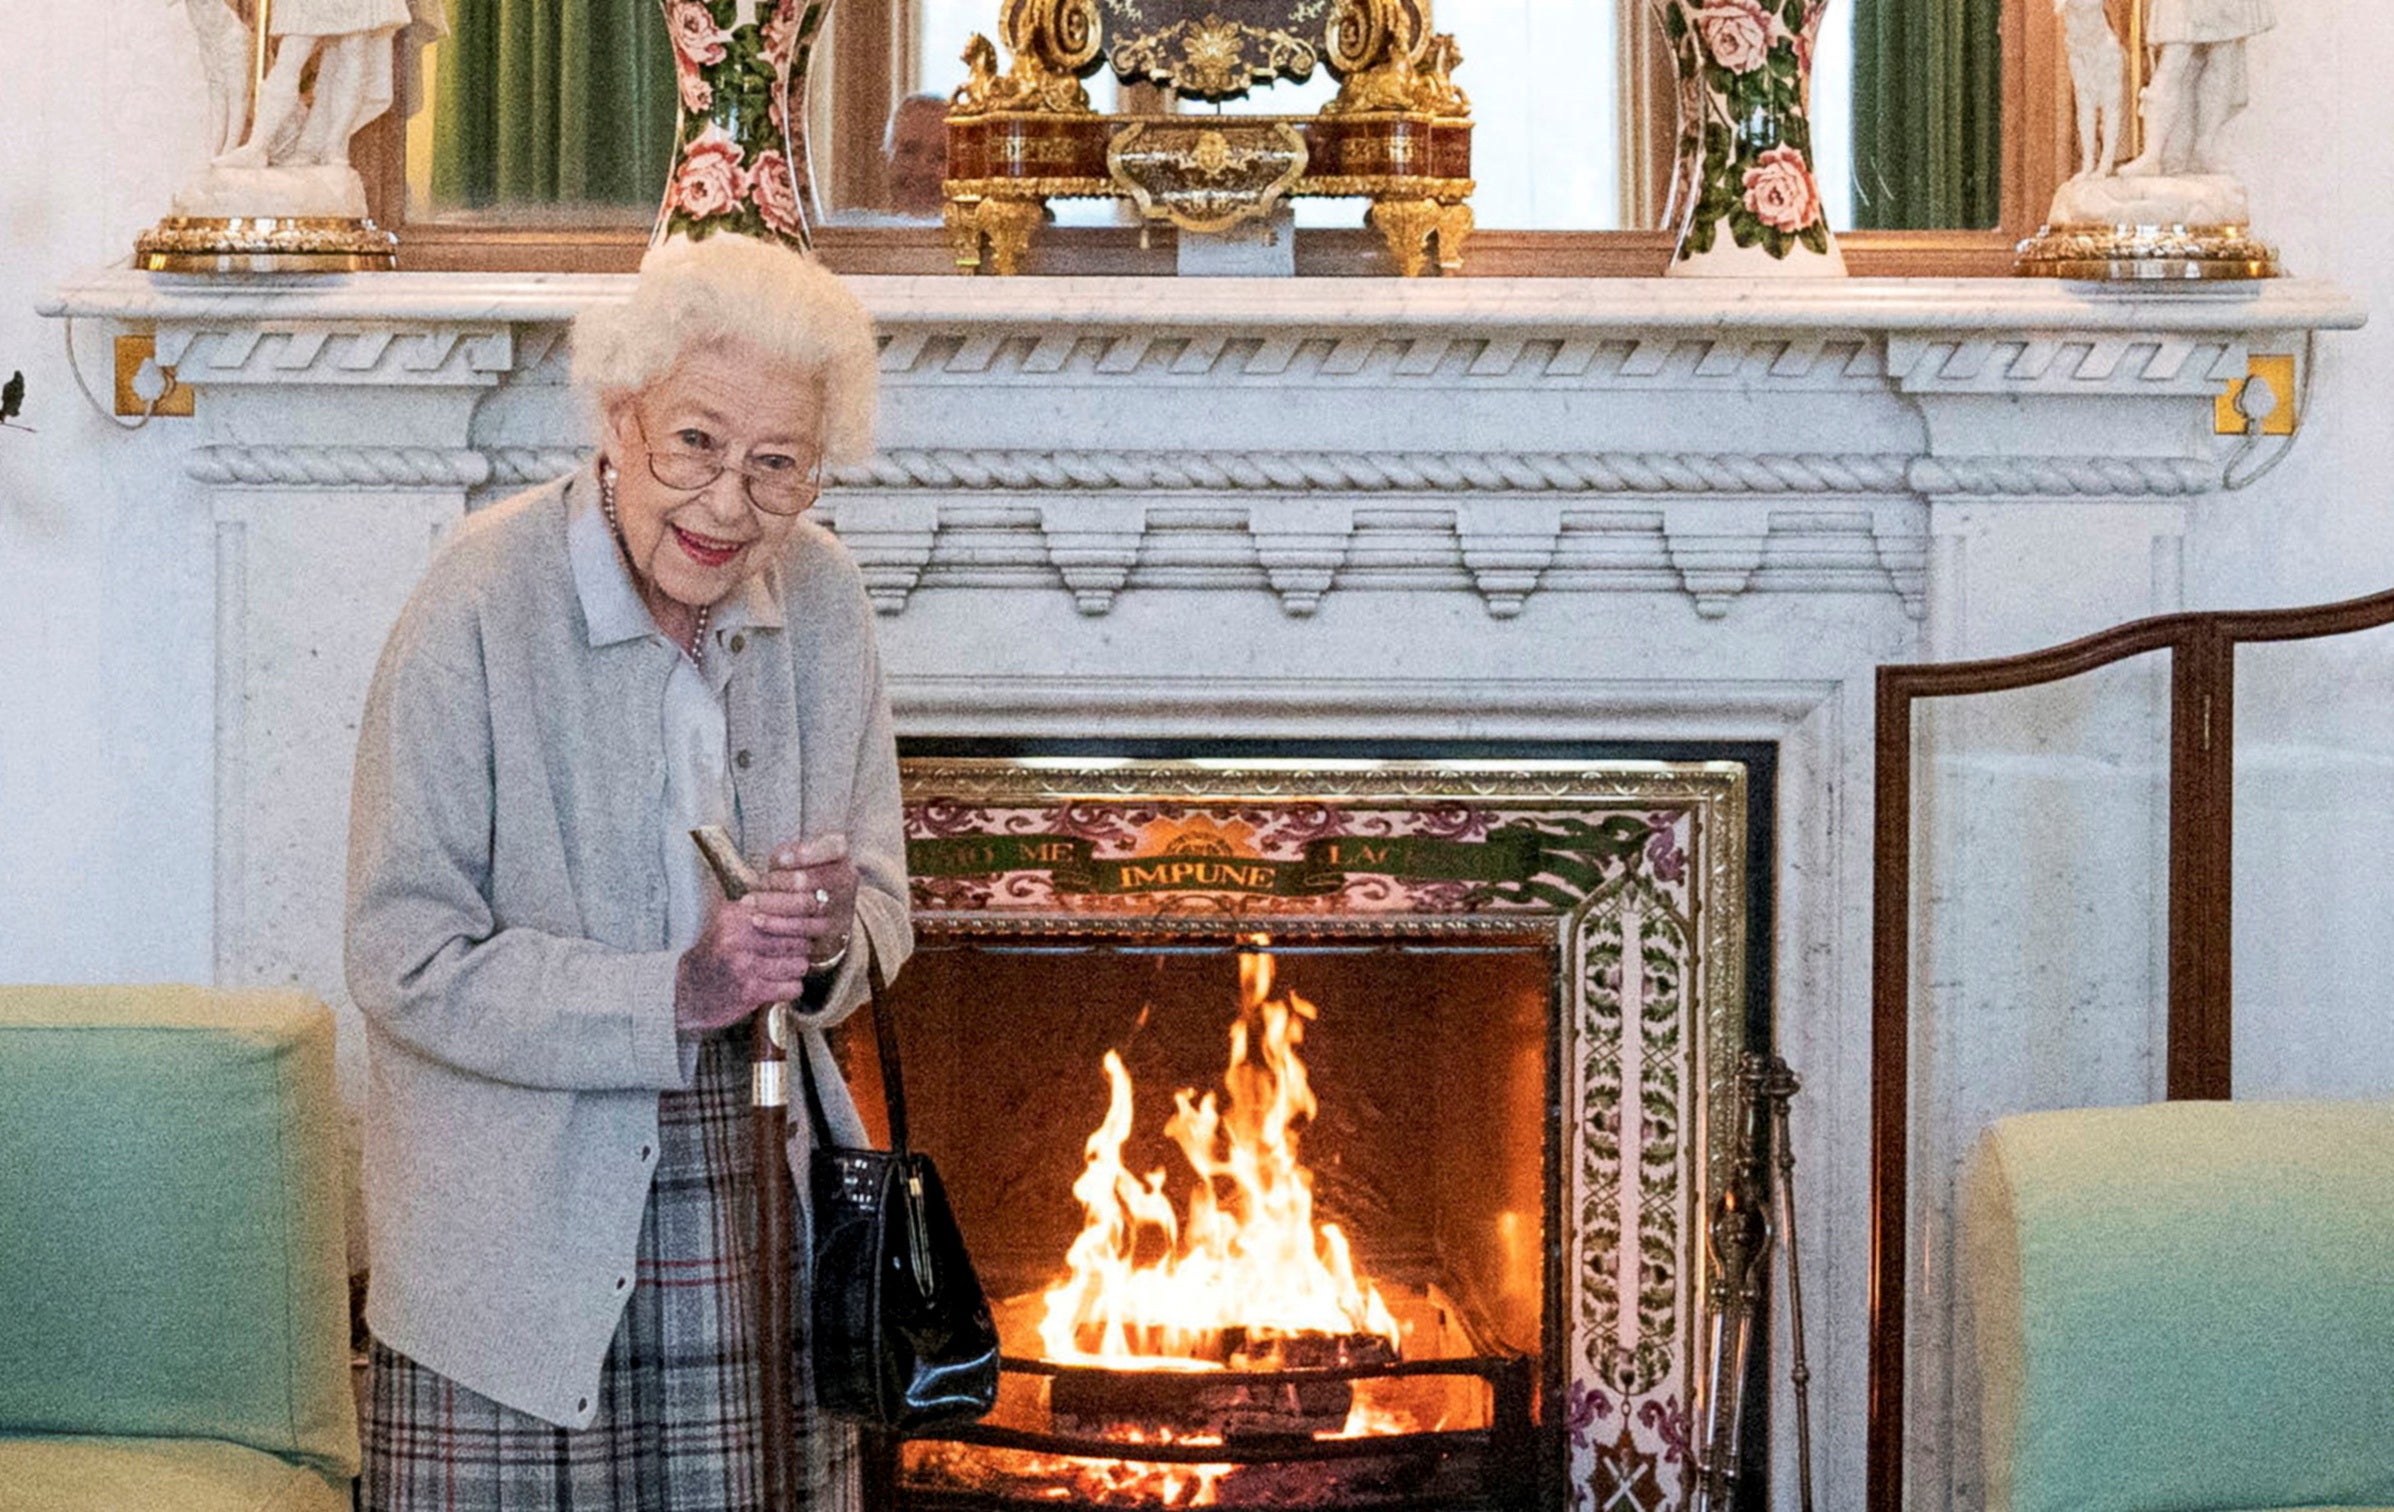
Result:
[{"x": 12, "y": 400}]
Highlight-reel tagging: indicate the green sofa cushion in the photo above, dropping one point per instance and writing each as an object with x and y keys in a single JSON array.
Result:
[
  {"x": 2186, "y": 1307},
  {"x": 172, "y": 1263},
  {"x": 157, "y": 1475}
]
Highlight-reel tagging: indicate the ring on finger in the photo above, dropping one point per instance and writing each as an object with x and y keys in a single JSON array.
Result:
[{"x": 822, "y": 899}]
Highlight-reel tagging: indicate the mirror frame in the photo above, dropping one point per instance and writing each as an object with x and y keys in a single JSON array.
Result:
[{"x": 2037, "y": 145}]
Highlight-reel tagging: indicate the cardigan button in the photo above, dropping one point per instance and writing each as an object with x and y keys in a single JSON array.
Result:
[
  {"x": 739, "y": 643},
  {"x": 741, "y": 761}
]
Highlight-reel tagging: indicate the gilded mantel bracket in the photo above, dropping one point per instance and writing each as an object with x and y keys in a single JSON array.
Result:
[{"x": 1398, "y": 134}]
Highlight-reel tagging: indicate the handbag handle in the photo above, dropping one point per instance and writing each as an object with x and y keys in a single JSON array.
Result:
[
  {"x": 919, "y": 1260},
  {"x": 885, "y": 1039}
]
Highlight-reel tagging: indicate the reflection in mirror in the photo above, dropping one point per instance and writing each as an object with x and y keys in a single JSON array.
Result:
[
  {"x": 544, "y": 113},
  {"x": 549, "y": 114},
  {"x": 1926, "y": 112}
]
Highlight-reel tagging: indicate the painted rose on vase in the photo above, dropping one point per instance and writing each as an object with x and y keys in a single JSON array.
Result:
[
  {"x": 778, "y": 189},
  {"x": 712, "y": 181},
  {"x": 738, "y": 166},
  {"x": 1746, "y": 135}
]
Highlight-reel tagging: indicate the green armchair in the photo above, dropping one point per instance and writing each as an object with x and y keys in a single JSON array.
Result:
[
  {"x": 2185, "y": 1307},
  {"x": 173, "y": 1283}
]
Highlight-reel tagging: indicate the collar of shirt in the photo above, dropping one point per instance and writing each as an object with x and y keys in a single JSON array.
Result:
[{"x": 611, "y": 606}]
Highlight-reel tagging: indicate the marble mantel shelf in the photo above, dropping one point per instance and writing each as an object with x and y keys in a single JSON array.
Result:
[
  {"x": 1863, "y": 304},
  {"x": 1504, "y": 437}
]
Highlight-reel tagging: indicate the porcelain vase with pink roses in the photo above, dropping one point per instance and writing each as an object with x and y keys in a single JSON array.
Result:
[
  {"x": 739, "y": 162},
  {"x": 1748, "y": 203}
]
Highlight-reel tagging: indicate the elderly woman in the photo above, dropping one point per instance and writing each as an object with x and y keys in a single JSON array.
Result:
[{"x": 557, "y": 1172}]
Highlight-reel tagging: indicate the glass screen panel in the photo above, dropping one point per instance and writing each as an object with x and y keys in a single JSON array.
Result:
[
  {"x": 2314, "y": 846},
  {"x": 2040, "y": 859}
]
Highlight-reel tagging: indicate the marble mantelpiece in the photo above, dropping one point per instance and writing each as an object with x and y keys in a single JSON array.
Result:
[{"x": 1504, "y": 511}]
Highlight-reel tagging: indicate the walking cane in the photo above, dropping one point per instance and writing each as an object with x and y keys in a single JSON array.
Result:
[{"x": 769, "y": 1127}]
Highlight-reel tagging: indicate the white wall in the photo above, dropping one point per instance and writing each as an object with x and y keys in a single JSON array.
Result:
[
  {"x": 106, "y": 583},
  {"x": 2315, "y": 815}
]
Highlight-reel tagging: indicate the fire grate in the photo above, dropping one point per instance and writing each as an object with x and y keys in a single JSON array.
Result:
[{"x": 996, "y": 1466}]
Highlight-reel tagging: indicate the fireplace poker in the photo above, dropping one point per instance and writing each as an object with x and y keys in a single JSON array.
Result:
[
  {"x": 1779, "y": 1087},
  {"x": 769, "y": 1126},
  {"x": 1752, "y": 1213}
]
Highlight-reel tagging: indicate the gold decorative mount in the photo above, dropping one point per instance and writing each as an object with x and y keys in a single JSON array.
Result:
[
  {"x": 1398, "y": 133},
  {"x": 2146, "y": 253},
  {"x": 265, "y": 244},
  {"x": 1206, "y": 174},
  {"x": 1210, "y": 59}
]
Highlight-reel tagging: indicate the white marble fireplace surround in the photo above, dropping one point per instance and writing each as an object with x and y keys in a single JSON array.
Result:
[{"x": 1495, "y": 510}]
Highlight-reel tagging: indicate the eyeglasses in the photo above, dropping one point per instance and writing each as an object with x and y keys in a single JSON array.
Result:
[{"x": 689, "y": 459}]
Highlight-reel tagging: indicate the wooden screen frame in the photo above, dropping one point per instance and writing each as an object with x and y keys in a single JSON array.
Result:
[
  {"x": 2202, "y": 793},
  {"x": 2037, "y": 145}
]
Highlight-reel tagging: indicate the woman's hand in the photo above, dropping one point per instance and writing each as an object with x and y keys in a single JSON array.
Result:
[
  {"x": 820, "y": 876},
  {"x": 759, "y": 950}
]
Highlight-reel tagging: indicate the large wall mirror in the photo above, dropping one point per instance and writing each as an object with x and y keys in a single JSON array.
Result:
[{"x": 549, "y": 127}]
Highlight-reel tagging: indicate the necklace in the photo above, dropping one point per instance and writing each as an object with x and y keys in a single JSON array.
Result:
[{"x": 696, "y": 648}]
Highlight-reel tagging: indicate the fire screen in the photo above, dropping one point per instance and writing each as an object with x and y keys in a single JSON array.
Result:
[{"x": 1328, "y": 1133}]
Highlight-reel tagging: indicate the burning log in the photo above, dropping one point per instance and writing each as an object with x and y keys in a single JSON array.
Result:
[{"x": 1189, "y": 1404}]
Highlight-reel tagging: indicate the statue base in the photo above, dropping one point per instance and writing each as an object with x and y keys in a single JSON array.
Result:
[
  {"x": 265, "y": 244},
  {"x": 2145, "y": 253},
  {"x": 2149, "y": 227},
  {"x": 2121, "y": 199}
]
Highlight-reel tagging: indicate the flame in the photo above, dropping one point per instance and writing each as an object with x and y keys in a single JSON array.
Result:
[{"x": 1147, "y": 1290}]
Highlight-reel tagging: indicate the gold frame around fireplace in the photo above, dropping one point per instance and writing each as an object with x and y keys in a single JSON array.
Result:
[{"x": 1599, "y": 1061}]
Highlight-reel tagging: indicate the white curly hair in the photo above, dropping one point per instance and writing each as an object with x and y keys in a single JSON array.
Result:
[{"x": 736, "y": 288}]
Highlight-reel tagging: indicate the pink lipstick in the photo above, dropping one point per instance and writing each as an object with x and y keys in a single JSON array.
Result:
[{"x": 706, "y": 551}]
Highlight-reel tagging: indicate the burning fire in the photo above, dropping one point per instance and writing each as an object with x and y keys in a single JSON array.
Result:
[{"x": 1248, "y": 1266}]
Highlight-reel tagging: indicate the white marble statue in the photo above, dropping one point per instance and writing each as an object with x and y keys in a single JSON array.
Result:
[
  {"x": 2198, "y": 81},
  {"x": 2098, "y": 67},
  {"x": 224, "y": 57},
  {"x": 2197, "y": 85},
  {"x": 293, "y": 159}
]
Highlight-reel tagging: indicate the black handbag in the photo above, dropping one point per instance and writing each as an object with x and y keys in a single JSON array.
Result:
[{"x": 899, "y": 1332}]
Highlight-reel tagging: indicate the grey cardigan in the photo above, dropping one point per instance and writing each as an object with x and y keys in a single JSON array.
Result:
[{"x": 507, "y": 917}]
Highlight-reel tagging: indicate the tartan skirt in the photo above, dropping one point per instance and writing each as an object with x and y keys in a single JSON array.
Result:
[{"x": 678, "y": 1427}]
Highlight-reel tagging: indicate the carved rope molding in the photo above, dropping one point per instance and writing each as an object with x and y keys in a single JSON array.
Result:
[
  {"x": 430, "y": 467},
  {"x": 977, "y": 471}
]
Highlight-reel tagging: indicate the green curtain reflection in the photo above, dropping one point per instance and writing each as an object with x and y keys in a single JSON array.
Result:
[
  {"x": 552, "y": 102},
  {"x": 1928, "y": 113}
]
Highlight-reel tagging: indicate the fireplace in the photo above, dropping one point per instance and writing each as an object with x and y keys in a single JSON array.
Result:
[
  {"x": 1532, "y": 513},
  {"x": 1329, "y": 1133}
]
